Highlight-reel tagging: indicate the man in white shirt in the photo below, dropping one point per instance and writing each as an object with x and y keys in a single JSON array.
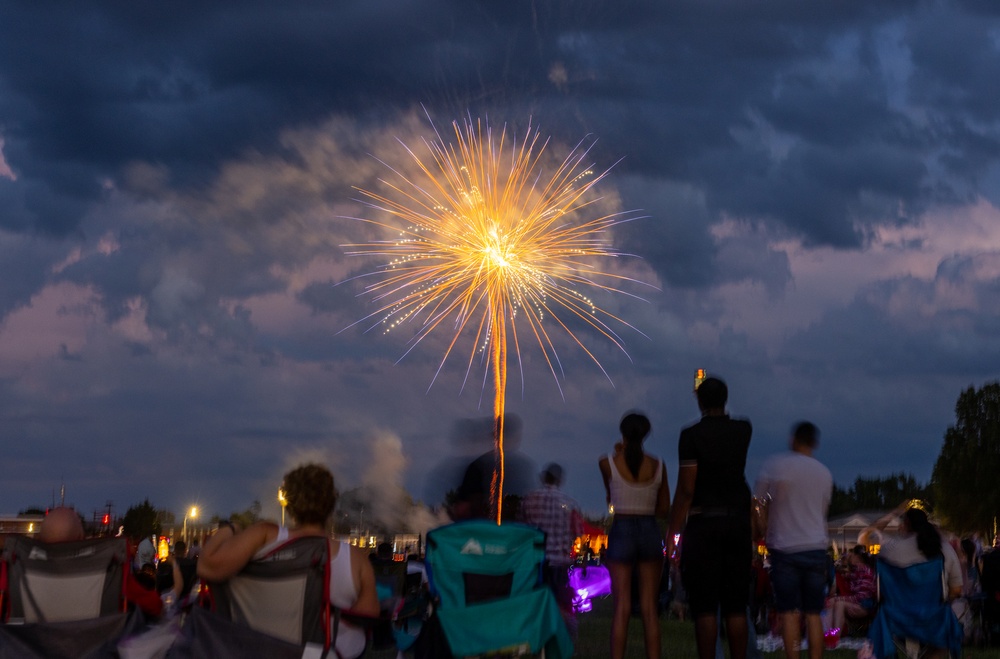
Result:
[{"x": 792, "y": 494}]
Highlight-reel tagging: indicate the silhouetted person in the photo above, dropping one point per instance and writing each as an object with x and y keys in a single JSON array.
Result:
[
  {"x": 474, "y": 496},
  {"x": 185, "y": 571},
  {"x": 712, "y": 512}
]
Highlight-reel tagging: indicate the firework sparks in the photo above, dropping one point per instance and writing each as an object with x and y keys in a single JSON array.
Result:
[{"x": 491, "y": 240}]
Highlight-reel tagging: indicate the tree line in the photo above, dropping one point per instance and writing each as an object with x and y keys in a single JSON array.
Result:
[
  {"x": 966, "y": 478},
  {"x": 964, "y": 492},
  {"x": 879, "y": 493}
]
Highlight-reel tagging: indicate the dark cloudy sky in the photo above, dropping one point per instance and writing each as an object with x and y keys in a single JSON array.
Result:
[{"x": 820, "y": 181}]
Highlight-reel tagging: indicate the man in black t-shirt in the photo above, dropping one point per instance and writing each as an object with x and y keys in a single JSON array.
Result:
[{"x": 712, "y": 513}]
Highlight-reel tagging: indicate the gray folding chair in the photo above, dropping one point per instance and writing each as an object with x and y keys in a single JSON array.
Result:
[{"x": 65, "y": 599}]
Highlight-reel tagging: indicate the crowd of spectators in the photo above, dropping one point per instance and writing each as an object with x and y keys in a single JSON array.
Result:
[{"x": 704, "y": 542}]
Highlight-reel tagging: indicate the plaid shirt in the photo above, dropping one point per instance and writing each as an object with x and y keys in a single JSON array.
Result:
[{"x": 559, "y": 516}]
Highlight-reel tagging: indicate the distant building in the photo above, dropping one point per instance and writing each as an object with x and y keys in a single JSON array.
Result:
[
  {"x": 403, "y": 544},
  {"x": 19, "y": 524},
  {"x": 844, "y": 529}
]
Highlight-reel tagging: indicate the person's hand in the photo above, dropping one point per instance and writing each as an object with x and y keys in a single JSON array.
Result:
[
  {"x": 619, "y": 447},
  {"x": 669, "y": 546}
]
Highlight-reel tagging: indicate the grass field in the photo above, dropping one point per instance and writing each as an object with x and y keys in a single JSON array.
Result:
[
  {"x": 678, "y": 640},
  {"x": 678, "y": 637}
]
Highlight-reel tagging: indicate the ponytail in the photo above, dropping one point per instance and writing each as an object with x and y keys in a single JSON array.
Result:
[
  {"x": 928, "y": 537},
  {"x": 634, "y": 428},
  {"x": 633, "y": 457}
]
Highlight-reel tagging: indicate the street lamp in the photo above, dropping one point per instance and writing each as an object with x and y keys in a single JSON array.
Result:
[
  {"x": 193, "y": 513},
  {"x": 284, "y": 502}
]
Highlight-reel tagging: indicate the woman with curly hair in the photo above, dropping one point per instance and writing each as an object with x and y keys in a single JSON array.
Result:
[{"x": 311, "y": 497}]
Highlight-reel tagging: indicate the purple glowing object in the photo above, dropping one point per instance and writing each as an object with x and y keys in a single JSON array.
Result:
[{"x": 589, "y": 582}]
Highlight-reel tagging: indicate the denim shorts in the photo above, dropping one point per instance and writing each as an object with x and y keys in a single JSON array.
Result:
[
  {"x": 799, "y": 580},
  {"x": 634, "y": 538}
]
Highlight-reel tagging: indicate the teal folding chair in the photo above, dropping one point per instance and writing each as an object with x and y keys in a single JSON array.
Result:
[{"x": 490, "y": 599}]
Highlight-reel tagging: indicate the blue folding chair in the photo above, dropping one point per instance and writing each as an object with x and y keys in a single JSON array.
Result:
[{"x": 912, "y": 607}]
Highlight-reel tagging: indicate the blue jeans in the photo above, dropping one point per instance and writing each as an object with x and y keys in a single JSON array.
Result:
[{"x": 799, "y": 580}]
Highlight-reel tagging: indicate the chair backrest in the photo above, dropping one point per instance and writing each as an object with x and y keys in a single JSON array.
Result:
[
  {"x": 478, "y": 561},
  {"x": 66, "y": 581},
  {"x": 488, "y": 581},
  {"x": 390, "y": 577},
  {"x": 920, "y": 585},
  {"x": 912, "y": 605},
  {"x": 285, "y": 594}
]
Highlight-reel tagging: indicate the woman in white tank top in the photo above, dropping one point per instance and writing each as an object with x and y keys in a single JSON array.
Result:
[
  {"x": 311, "y": 498},
  {"x": 638, "y": 493}
]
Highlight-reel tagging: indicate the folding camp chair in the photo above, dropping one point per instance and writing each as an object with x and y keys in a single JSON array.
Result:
[
  {"x": 65, "y": 599},
  {"x": 399, "y": 602},
  {"x": 487, "y": 580},
  {"x": 389, "y": 576},
  {"x": 913, "y": 613},
  {"x": 411, "y": 611},
  {"x": 276, "y": 606}
]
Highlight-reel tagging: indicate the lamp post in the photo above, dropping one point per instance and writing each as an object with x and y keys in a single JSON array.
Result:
[
  {"x": 284, "y": 502},
  {"x": 193, "y": 513}
]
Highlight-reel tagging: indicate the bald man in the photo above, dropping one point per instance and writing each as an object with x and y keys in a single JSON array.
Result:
[
  {"x": 64, "y": 525},
  {"x": 61, "y": 525}
]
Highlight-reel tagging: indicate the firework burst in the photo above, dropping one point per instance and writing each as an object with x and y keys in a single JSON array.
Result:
[{"x": 490, "y": 242}]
